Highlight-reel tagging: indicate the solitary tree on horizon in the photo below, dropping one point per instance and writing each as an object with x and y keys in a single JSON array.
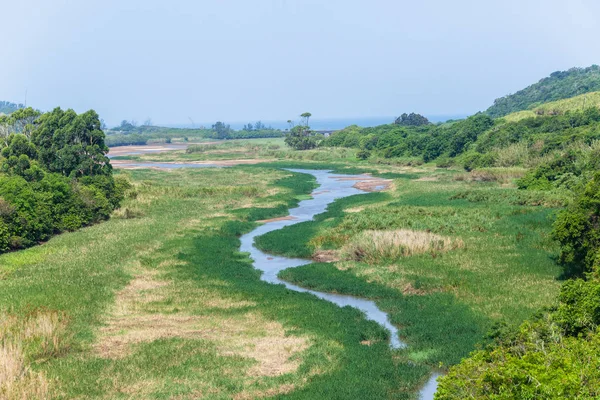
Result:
[{"x": 305, "y": 116}]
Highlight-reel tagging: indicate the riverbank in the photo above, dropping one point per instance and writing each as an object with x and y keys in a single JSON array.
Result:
[
  {"x": 164, "y": 278},
  {"x": 158, "y": 302}
]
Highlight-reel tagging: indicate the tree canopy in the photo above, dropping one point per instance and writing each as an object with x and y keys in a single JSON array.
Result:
[
  {"x": 54, "y": 175},
  {"x": 411, "y": 119}
]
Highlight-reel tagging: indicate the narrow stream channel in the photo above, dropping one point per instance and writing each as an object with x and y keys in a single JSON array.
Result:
[{"x": 329, "y": 190}]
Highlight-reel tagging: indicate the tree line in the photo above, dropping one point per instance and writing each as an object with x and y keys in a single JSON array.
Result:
[{"x": 129, "y": 133}]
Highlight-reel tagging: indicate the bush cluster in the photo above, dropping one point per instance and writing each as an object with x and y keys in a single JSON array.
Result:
[{"x": 54, "y": 177}]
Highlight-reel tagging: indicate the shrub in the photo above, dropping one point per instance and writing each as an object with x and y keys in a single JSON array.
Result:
[
  {"x": 363, "y": 154},
  {"x": 578, "y": 230}
]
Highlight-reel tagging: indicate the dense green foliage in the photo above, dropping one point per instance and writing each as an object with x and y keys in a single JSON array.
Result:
[
  {"x": 543, "y": 142},
  {"x": 411, "y": 119},
  {"x": 428, "y": 142},
  {"x": 578, "y": 231},
  {"x": 555, "y": 356},
  {"x": 300, "y": 137},
  {"x": 559, "y": 85},
  {"x": 54, "y": 177}
]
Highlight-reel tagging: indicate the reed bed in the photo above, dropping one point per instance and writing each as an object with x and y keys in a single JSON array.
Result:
[{"x": 375, "y": 246}]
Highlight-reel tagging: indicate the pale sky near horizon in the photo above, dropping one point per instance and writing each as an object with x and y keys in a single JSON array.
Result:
[{"x": 236, "y": 60}]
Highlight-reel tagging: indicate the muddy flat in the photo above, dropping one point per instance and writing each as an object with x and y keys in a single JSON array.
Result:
[
  {"x": 168, "y": 165},
  {"x": 366, "y": 182},
  {"x": 146, "y": 149}
]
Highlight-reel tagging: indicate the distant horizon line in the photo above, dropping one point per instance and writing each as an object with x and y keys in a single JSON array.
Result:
[{"x": 319, "y": 123}]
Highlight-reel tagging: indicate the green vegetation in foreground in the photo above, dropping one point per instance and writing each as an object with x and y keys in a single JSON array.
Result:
[
  {"x": 559, "y": 85},
  {"x": 444, "y": 302},
  {"x": 555, "y": 355},
  {"x": 164, "y": 277}
]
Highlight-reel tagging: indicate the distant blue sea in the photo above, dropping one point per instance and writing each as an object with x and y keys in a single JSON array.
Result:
[{"x": 328, "y": 123}]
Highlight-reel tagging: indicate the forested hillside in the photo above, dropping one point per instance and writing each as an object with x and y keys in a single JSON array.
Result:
[
  {"x": 54, "y": 177},
  {"x": 6, "y": 107},
  {"x": 559, "y": 85}
]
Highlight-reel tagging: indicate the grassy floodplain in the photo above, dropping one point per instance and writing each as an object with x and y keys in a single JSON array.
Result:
[
  {"x": 158, "y": 302},
  {"x": 445, "y": 301}
]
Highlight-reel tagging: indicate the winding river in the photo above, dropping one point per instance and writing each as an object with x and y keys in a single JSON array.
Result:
[{"x": 330, "y": 188}]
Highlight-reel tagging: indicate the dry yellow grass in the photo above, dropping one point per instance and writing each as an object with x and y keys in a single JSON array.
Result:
[
  {"x": 249, "y": 335},
  {"x": 17, "y": 381},
  {"x": 373, "y": 246},
  {"x": 42, "y": 332}
]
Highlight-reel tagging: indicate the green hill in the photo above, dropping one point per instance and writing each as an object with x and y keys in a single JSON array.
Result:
[
  {"x": 559, "y": 85},
  {"x": 7, "y": 107},
  {"x": 558, "y": 107}
]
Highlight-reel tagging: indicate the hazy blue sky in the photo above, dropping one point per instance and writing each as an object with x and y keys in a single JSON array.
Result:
[{"x": 238, "y": 60}]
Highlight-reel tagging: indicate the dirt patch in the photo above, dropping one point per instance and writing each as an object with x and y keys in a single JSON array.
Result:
[
  {"x": 146, "y": 149},
  {"x": 375, "y": 185},
  {"x": 230, "y": 163},
  {"x": 131, "y": 164},
  {"x": 288, "y": 218},
  {"x": 326, "y": 256},
  {"x": 367, "y": 182},
  {"x": 249, "y": 335},
  {"x": 273, "y": 351}
]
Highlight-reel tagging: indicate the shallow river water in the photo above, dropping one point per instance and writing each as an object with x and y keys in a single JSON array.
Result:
[{"x": 328, "y": 191}]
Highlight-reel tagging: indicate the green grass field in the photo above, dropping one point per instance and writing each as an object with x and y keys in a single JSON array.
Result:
[
  {"x": 445, "y": 302},
  {"x": 158, "y": 303}
]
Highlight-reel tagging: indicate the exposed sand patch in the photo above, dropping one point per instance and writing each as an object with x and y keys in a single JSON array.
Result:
[
  {"x": 367, "y": 182},
  {"x": 326, "y": 256},
  {"x": 147, "y": 149},
  {"x": 374, "y": 185},
  {"x": 131, "y": 164},
  {"x": 287, "y": 218}
]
